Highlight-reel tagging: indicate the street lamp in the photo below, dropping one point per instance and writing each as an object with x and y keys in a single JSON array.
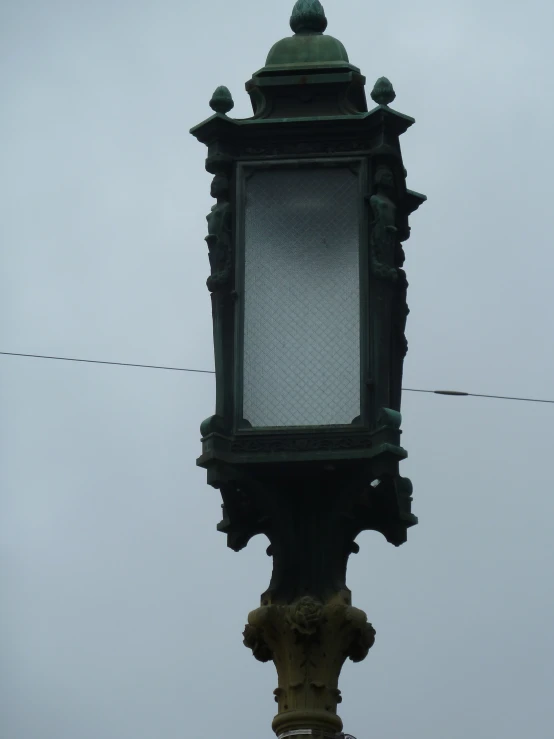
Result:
[{"x": 309, "y": 311}]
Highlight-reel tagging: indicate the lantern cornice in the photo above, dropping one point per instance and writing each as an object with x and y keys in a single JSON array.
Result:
[{"x": 220, "y": 126}]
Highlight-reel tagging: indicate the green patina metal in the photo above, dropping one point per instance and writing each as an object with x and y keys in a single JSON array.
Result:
[
  {"x": 383, "y": 92},
  {"x": 222, "y": 101},
  {"x": 309, "y": 49},
  {"x": 308, "y": 16},
  {"x": 306, "y": 49},
  {"x": 310, "y": 490},
  {"x": 308, "y": 46},
  {"x": 310, "y": 116}
]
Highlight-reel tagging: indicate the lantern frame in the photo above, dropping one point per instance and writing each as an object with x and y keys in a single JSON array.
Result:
[
  {"x": 310, "y": 115},
  {"x": 245, "y": 170}
]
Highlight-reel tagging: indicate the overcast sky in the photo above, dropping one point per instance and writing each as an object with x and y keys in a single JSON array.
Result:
[{"x": 122, "y": 609}]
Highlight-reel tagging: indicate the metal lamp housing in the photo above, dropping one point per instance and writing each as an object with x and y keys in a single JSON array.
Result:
[{"x": 307, "y": 286}]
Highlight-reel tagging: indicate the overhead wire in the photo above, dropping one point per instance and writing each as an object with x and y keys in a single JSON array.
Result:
[
  {"x": 477, "y": 395},
  {"x": 101, "y": 361},
  {"x": 455, "y": 393}
]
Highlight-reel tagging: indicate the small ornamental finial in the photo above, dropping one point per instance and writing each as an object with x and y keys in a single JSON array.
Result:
[
  {"x": 222, "y": 101},
  {"x": 383, "y": 92},
  {"x": 308, "y": 16}
]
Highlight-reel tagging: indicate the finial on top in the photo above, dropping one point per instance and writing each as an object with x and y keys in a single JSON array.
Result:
[
  {"x": 308, "y": 16},
  {"x": 222, "y": 100},
  {"x": 383, "y": 92}
]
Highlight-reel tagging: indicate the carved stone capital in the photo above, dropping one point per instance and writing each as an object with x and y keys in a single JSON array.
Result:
[{"x": 308, "y": 642}]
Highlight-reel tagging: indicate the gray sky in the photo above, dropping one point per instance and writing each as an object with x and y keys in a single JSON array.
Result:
[{"x": 122, "y": 609}]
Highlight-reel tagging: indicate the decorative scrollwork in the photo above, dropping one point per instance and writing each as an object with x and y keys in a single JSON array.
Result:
[
  {"x": 254, "y": 640},
  {"x": 273, "y": 444},
  {"x": 384, "y": 236},
  {"x": 400, "y": 313},
  {"x": 304, "y": 616},
  {"x": 276, "y": 148},
  {"x": 219, "y": 238},
  {"x": 309, "y": 642},
  {"x": 362, "y": 642}
]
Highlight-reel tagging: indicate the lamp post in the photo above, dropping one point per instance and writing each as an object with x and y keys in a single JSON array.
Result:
[{"x": 309, "y": 311}]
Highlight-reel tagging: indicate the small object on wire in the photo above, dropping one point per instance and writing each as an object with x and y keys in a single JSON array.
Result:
[{"x": 476, "y": 395}]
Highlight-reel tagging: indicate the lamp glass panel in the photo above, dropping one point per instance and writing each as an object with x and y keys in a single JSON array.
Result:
[{"x": 301, "y": 333}]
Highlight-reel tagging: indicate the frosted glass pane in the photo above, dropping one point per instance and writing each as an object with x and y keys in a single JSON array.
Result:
[{"x": 301, "y": 293}]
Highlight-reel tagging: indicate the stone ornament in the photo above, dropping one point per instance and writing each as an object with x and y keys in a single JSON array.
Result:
[{"x": 308, "y": 642}]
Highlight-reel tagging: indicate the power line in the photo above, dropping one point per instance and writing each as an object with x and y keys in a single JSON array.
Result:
[
  {"x": 457, "y": 393},
  {"x": 477, "y": 395},
  {"x": 99, "y": 361}
]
